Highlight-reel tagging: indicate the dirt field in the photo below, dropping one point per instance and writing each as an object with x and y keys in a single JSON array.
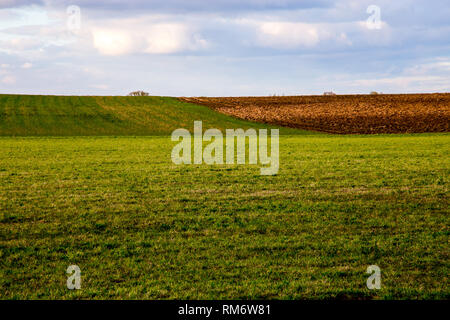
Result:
[{"x": 363, "y": 114}]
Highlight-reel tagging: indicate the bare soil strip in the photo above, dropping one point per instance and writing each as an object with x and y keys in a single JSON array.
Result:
[{"x": 342, "y": 114}]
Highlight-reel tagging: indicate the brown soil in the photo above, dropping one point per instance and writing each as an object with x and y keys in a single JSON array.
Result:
[{"x": 363, "y": 114}]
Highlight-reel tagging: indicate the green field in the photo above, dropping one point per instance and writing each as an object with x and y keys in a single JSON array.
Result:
[
  {"x": 107, "y": 116},
  {"x": 141, "y": 227}
]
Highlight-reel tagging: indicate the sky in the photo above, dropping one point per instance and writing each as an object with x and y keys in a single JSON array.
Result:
[{"x": 224, "y": 47}]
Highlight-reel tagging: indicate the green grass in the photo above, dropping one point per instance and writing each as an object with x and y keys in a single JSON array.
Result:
[
  {"x": 22, "y": 115},
  {"x": 141, "y": 227}
]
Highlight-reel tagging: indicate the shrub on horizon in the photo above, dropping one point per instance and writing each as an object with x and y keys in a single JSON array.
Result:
[{"x": 138, "y": 94}]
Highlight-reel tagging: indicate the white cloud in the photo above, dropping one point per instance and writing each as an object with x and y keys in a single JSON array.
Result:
[
  {"x": 30, "y": 15},
  {"x": 288, "y": 34},
  {"x": 440, "y": 65},
  {"x": 170, "y": 38},
  {"x": 273, "y": 32},
  {"x": 27, "y": 65},
  {"x": 402, "y": 82},
  {"x": 141, "y": 36},
  {"x": 93, "y": 71},
  {"x": 8, "y": 80},
  {"x": 113, "y": 42},
  {"x": 100, "y": 86},
  {"x": 423, "y": 77},
  {"x": 19, "y": 44}
]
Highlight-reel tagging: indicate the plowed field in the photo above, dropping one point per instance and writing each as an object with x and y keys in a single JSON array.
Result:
[{"x": 358, "y": 114}]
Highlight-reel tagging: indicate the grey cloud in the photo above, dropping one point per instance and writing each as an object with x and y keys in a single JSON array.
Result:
[
  {"x": 178, "y": 5},
  {"x": 18, "y": 3}
]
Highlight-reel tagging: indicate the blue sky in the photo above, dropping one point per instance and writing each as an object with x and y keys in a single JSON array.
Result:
[{"x": 224, "y": 47}]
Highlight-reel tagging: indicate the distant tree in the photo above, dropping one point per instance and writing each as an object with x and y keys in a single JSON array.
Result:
[
  {"x": 374, "y": 93},
  {"x": 138, "y": 93}
]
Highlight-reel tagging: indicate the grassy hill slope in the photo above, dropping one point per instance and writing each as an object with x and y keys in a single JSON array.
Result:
[{"x": 28, "y": 115}]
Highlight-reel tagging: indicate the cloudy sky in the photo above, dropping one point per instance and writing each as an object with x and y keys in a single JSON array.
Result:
[{"x": 224, "y": 47}]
